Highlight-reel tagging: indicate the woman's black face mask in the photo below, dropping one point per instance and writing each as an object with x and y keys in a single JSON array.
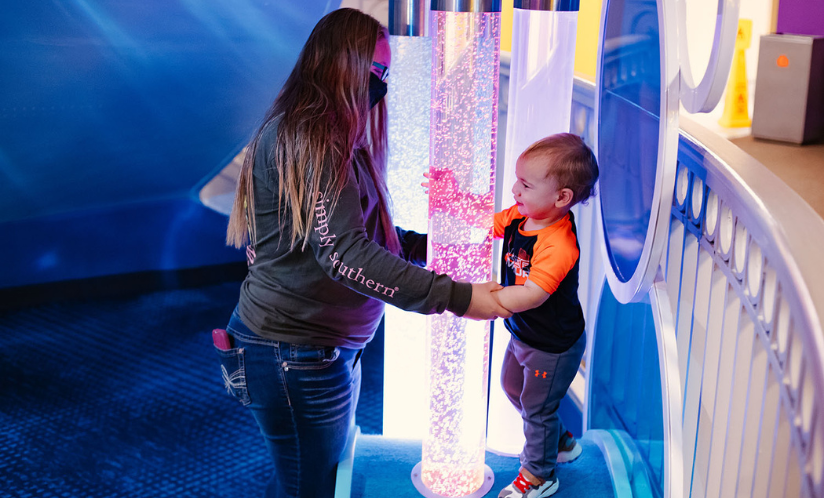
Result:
[{"x": 377, "y": 89}]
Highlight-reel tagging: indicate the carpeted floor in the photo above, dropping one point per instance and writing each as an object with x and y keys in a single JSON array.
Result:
[
  {"x": 123, "y": 398},
  {"x": 382, "y": 468}
]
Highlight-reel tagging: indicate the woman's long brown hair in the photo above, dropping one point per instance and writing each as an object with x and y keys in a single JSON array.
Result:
[{"x": 324, "y": 111}]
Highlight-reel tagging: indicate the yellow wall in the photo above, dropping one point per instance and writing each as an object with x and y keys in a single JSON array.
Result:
[
  {"x": 506, "y": 26},
  {"x": 586, "y": 43}
]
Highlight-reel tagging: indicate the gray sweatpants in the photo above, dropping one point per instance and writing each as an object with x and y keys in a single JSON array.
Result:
[{"x": 535, "y": 382}]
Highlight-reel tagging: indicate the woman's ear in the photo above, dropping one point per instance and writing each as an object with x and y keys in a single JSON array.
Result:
[{"x": 564, "y": 198}]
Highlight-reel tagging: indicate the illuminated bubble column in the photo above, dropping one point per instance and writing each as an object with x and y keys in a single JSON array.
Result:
[
  {"x": 465, "y": 68},
  {"x": 408, "y": 105},
  {"x": 541, "y": 76}
]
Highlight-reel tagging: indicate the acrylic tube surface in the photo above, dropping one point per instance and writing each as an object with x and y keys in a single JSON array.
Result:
[
  {"x": 541, "y": 77},
  {"x": 465, "y": 68},
  {"x": 540, "y": 102},
  {"x": 408, "y": 103}
]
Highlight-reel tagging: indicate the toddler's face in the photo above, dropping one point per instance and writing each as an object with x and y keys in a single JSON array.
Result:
[{"x": 536, "y": 194}]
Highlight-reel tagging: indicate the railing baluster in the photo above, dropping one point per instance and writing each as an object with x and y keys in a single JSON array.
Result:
[
  {"x": 692, "y": 394},
  {"x": 723, "y": 393},
  {"x": 686, "y": 304},
  {"x": 738, "y": 404},
  {"x": 782, "y": 331},
  {"x": 715, "y": 327},
  {"x": 817, "y": 456},
  {"x": 781, "y": 455},
  {"x": 795, "y": 365},
  {"x": 794, "y": 478},
  {"x": 674, "y": 261},
  {"x": 757, "y": 391},
  {"x": 770, "y": 407}
]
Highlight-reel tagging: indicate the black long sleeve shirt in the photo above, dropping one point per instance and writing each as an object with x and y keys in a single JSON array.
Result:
[{"x": 333, "y": 292}]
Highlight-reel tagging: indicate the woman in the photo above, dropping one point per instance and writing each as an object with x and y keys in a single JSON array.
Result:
[{"x": 313, "y": 205}]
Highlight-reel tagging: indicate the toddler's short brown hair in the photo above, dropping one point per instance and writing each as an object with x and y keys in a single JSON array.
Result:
[{"x": 570, "y": 161}]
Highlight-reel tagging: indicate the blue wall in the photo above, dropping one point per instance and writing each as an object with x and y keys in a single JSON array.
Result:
[{"x": 113, "y": 114}]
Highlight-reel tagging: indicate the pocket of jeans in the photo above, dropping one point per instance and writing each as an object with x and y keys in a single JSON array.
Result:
[
  {"x": 304, "y": 357},
  {"x": 233, "y": 372}
]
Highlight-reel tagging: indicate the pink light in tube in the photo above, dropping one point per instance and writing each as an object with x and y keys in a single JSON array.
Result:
[{"x": 465, "y": 67}]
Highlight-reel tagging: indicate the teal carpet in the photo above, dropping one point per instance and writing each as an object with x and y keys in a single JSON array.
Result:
[{"x": 383, "y": 467}]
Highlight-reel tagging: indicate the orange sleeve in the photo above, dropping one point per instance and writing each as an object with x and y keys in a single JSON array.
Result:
[
  {"x": 553, "y": 257},
  {"x": 503, "y": 219}
]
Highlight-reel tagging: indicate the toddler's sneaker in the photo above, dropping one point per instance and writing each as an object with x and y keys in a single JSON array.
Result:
[
  {"x": 521, "y": 488},
  {"x": 568, "y": 448}
]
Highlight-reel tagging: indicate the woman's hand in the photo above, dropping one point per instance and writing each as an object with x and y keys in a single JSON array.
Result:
[{"x": 485, "y": 305}]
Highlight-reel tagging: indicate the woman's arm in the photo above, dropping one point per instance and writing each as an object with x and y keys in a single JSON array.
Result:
[
  {"x": 340, "y": 244},
  {"x": 413, "y": 246}
]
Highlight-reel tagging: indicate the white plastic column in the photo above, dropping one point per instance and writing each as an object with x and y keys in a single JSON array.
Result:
[
  {"x": 540, "y": 102},
  {"x": 408, "y": 104}
]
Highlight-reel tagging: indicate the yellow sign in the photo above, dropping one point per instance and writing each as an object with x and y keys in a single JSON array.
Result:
[
  {"x": 744, "y": 36},
  {"x": 736, "y": 106}
]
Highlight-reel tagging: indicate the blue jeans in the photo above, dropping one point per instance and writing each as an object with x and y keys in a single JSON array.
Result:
[
  {"x": 535, "y": 382},
  {"x": 303, "y": 399}
]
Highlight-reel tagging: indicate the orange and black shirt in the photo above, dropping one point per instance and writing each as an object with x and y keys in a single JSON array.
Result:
[{"x": 549, "y": 258}]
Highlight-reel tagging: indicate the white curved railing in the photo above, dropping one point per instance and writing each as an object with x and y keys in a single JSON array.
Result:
[
  {"x": 750, "y": 342},
  {"x": 745, "y": 282}
]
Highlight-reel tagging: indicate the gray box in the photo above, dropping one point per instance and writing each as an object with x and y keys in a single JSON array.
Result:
[{"x": 789, "y": 89}]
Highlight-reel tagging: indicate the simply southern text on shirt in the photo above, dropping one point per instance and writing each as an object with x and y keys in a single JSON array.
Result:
[{"x": 327, "y": 240}]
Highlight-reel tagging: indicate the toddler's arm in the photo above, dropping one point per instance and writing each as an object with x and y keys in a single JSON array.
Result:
[{"x": 517, "y": 298}]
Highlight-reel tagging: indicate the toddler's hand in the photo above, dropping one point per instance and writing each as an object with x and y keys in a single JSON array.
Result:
[{"x": 425, "y": 184}]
